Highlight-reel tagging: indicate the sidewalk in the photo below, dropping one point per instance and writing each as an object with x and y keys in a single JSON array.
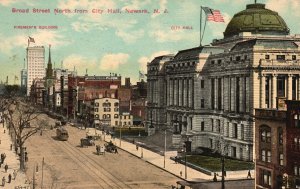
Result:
[
  {"x": 169, "y": 165},
  {"x": 12, "y": 161}
]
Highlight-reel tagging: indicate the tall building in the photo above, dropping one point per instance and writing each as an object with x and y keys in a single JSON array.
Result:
[
  {"x": 211, "y": 91},
  {"x": 35, "y": 65},
  {"x": 277, "y": 136}
]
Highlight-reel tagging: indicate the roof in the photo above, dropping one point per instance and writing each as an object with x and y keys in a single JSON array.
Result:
[
  {"x": 267, "y": 44},
  {"x": 194, "y": 52},
  {"x": 256, "y": 19}
]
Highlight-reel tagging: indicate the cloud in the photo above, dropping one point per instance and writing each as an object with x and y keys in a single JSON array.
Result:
[
  {"x": 284, "y": 6},
  {"x": 86, "y": 4},
  {"x": 162, "y": 7},
  {"x": 80, "y": 63},
  {"x": 10, "y": 2},
  {"x": 169, "y": 35},
  {"x": 113, "y": 61},
  {"x": 136, "y": 4},
  {"x": 130, "y": 37},
  {"x": 143, "y": 61},
  {"x": 235, "y": 2},
  {"x": 41, "y": 37}
]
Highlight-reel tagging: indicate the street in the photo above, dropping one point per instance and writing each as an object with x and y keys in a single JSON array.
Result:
[{"x": 67, "y": 165}]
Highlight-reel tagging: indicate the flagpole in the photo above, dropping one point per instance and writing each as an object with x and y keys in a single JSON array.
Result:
[
  {"x": 203, "y": 29},
  {"x": 200, "y": 24}
]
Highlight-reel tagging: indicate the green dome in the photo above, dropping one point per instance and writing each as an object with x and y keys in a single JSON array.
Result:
[{"x": 257, "y": 20}]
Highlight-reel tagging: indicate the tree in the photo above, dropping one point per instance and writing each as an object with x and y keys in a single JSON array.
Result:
[{"x": 19, "y": 117}]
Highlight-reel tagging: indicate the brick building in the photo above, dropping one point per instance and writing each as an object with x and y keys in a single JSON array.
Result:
[{"x": 277, "y": 136}]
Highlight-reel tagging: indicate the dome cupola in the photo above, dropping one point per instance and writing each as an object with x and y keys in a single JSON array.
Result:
[{"x": 257, "y": 20}]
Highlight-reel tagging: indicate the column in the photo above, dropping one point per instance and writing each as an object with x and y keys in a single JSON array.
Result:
[
  {"x": 262, "y": 91},
  {"x": 229, "y": 94},
  {"x": 188, "y": 126},
  {"x": 289, "y": 87},
  {"x": 274, "y": 91},
  {"x": 175, "y": 92},
  {"x": 184, "y": 92},
  {"x": 233, "y": 91},
  {"x": 180, "y": 92},
  {"x": 190, "y": 92},
  {"x": 298, "y": 88},
  {"x": 171, "y": 92},
  {"x": 216, "y": 94}
]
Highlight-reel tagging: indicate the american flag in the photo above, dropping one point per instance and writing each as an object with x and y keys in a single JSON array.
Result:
[{"x": 213, "y": 15}]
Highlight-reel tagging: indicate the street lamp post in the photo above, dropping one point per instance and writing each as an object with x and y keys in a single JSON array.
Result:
[
  {"x": 165, "y": 148},
  {"x": 185, "y": 169},
  {"x": 120, "y": 135}
]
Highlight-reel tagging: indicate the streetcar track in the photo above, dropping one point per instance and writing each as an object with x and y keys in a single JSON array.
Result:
[
  {"x": 108, "y": 176},
  {"x": 106, "y": 173},
  {"x": 82, "y": 164}
]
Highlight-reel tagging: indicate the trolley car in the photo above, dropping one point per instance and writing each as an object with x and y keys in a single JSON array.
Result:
[{"x": 62, "y": 133}]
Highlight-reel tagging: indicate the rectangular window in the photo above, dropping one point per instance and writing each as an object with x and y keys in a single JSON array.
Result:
[
  {"x": 294, "y": 57},
  {"x": 116, "y": 116},
  {"x": 116, "y": 122},
  {"x": 237, "y": 58},
  {"x": 234, "y": 130},
  {"x": 233, "y": 151},
  {"x": 280, "y": 57},
  {"x": 212, "y": 62},
  {"x": 202, "y": 84},
  {"x": 263, "y": 155},
  {"x": 202, "y": 125},
  {"x": 281, "y": 159},
  {"x": 202, "y": 103},
  {"x": 269, "y": 156},
  {"x": 242, "y": 131},
  {"x": 219, "y": 61},
  {"x": 266, "y": 178},
  {"x": 96, "y": 110},
  {"x": 211, "y": 143},
  {"x": 267, "y": 57}
]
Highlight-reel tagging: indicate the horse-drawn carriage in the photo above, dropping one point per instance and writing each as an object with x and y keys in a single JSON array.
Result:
[
  {"x": 86, "y": 142},
  {"x": 110, "y": 147}
]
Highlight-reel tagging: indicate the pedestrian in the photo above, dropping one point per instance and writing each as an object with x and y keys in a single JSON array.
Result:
[
  {"x": 3, "y": 181},
  {"x": 180, "y": 173},
  {"x": 116, "y": 151},
  {"x": 224, "y": 173},
  {"x": 249, "y": 174},
  {"x": 4, "y": 156},
  {"x": 15, "y": 174},
  {"x": 9, "y": 178},
  {"x": 26, "y": 157},
  {"x": 175, "y": 159},
  {"x": 10, "y": 147},
  {"x": 215, "y": 177},
  {"x": 6, "y": 167},
  {"x": 137, "y": 147}
]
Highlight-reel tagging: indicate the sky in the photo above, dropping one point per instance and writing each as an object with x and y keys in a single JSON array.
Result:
[{"x": 121, "y": 43}]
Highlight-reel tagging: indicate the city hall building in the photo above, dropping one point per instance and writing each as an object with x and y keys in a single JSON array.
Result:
[{"x": 208, "y": 94}]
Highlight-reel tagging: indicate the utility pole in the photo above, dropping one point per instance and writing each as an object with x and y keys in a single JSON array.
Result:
[
  {"x": 120, "y": 135},
  {"x": 42, "y": 173},
  {"x": 223, "y": 171},
  {"x": 165, "y": 148}
]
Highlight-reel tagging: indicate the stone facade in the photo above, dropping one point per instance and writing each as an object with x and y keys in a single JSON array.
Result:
[{"x": 207, "y": 95}]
